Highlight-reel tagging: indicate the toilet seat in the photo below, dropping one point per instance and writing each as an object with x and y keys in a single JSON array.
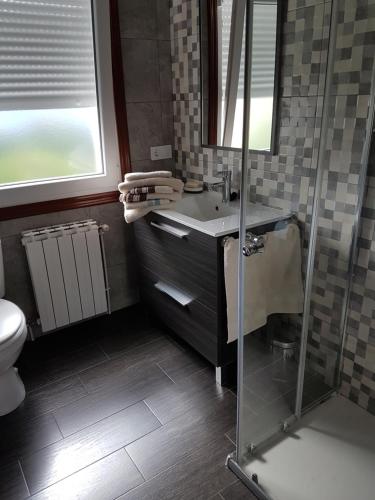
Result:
[{"x": 12, "y": 323}]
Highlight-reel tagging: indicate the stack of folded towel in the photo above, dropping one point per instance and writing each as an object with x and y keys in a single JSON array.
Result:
[{"x": 142, "y": 192}]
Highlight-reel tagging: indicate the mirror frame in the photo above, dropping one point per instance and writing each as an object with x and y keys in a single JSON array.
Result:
[{"x": 212, "y": 87}]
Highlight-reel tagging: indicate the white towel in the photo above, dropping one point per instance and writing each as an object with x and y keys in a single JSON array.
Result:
[
  {"x": 174, "y": 196},
  {"x": 148, "y": 203},
  {"x": 273, "y": 280},
  {"x": 131, "y": 215},
  {"x": 176, "y": 184},
  {"x": 135, "y": 176}
]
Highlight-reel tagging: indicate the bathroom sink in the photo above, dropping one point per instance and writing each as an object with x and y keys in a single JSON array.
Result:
[
  {"x": 205, "y": 207},
  {"x": 205, "y": 212}
]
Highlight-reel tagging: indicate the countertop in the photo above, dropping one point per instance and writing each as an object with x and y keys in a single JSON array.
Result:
[{"x": 193, "y": 207}]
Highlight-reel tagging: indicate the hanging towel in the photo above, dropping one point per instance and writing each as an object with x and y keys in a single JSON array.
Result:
[
  {"x": 131, "y": 215},
  {"x": 176, "y": 184},
  {"x": 272, "y": 280},
  {"x": 135, "y": 176}
]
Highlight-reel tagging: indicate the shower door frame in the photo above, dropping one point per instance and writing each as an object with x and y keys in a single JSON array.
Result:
[{"x": 233, "y": 460}]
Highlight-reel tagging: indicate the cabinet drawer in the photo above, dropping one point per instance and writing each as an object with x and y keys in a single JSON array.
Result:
[
  {"x": 180, "y": 255},
  {"x": 193, "y": 322}
]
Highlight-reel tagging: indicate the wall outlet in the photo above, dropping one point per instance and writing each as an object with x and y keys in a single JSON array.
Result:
[{"x": 161, "y": 152}]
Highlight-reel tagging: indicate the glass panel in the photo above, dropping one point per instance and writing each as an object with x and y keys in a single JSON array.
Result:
[
  {"x": 335, "y": 130},
  {"x": 49, "y": 143},
  {"x": 343, "y": 163},
  {"x": 49, "y": 120},
  {"x": 272, "y": 318}
]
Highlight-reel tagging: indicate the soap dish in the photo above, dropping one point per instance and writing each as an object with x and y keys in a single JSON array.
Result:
[{"x": 193, "y": 186}]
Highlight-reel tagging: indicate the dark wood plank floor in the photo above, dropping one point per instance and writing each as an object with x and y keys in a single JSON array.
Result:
[{"x": 116, "y": 408}]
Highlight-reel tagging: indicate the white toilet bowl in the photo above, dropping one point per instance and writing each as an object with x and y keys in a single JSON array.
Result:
[{"x": 13, "y": 333}]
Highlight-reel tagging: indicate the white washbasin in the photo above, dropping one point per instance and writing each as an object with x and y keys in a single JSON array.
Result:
[
  {"x": 205, "y": 212},
  {"x": 205, "y": 207}
]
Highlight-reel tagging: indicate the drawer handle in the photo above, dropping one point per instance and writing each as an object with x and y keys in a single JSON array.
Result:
[
  {"x": 179, "y": 233},
  {"x": 181, "y": 298}
]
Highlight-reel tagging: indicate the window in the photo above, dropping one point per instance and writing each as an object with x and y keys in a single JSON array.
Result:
[{"x": 57, "y": 127}]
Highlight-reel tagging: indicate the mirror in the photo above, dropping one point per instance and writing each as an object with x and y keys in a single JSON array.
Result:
[{"x": 223, "y": 72}]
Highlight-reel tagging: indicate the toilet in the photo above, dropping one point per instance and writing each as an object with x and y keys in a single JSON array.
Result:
[{"x": 13, "y": 333}]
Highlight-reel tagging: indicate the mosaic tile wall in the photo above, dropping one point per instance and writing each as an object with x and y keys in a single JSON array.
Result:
[
  {"x": 349, "y": 114},
  {"x": 287, "y": 180}
]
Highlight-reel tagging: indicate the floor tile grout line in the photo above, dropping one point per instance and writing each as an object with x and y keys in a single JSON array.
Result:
[
  {"x": 52, "y": 411},
  {"x": 230, "y": 439},
  {"x": 180, "y": 460},
  {"x": 136, "y": 466},
  {"x": 255, "y": 372},
  {"x": 80, "y": 470},
  {"x": 24, "y": 478},
  {"x": 34, "y": 452},
  {"x": 152, "y": 411},
  {"x": 165, "y": 373},
  {"x": 235, "y": 481},
  {"x": 103, "y": 351},
  {"x": 56, "y": 422},
  {"x": 126, "y": 350},
  {"x": 84, "y": 386},
  {"x": 73, "y": 374},
  {"x": 104, "y": 418},
  {"x": 122, "y": 447}
]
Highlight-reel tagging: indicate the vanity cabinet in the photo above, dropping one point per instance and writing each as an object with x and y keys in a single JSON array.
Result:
[{"x": 182, "y": 281}]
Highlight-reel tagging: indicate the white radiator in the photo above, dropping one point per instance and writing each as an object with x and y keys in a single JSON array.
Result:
[{"x": 68, "y": 272}]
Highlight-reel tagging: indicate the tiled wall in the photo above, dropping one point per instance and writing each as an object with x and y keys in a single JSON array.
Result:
[
  {"x": 359, "y": 355},
  {"x": 348, "y": 120},
  {"x": 287, "y": 180},
  {"x": 146, "y": 57}
]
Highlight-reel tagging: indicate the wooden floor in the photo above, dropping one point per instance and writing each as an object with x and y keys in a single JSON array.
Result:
[{"x": 116, "y": 408}]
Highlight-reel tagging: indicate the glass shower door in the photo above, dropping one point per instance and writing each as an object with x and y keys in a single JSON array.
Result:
[
  {"x": 271, "y": 299},
  {"x": 294, "y": 361}
]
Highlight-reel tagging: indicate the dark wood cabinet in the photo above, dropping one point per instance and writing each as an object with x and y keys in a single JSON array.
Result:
[{"x": 182, "y": 281}]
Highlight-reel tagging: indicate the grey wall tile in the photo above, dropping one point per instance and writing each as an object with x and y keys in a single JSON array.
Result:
[
  {"x": 167, "y": 122},
  {"x": 165, "y": 68},
  {"x": 163, "y": 19},
  {"x": 138, "y": 19},
  {"x": 18, "y": 287},
  {"x": 149, "y": 165},
  {"x": 141, "y": 70},
  {"x": 145, "y": 128},
  {"x": 123, "y": 280}
]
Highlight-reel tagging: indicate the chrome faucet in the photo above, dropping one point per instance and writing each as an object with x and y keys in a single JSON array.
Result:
[{"x": 225, "y": 184}]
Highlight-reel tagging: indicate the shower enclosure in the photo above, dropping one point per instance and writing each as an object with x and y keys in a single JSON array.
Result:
[{"x": 274, "y": 389}]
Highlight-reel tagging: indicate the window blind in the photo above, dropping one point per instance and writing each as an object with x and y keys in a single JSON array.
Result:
[
  {"x": 46, "y": 54},
  {"x": 264, "y": 47}
]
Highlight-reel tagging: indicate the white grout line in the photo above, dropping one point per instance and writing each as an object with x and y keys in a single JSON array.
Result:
[{"x": 24, "y": 478}]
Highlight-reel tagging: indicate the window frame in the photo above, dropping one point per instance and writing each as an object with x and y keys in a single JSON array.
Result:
[{"x": 122, "y": 142}]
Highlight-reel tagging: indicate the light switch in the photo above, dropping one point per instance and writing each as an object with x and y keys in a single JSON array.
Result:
[{"x": 161, "y": 152}]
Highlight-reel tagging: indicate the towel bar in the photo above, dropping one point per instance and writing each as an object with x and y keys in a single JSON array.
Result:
[
  {"x": 253, "y": 244},
  {"x": 292, "y": 219}
]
